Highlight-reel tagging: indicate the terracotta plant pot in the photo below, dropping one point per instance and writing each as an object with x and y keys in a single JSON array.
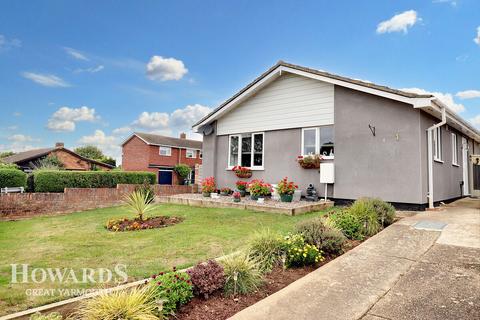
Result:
[{"x": 286, "y": 197}]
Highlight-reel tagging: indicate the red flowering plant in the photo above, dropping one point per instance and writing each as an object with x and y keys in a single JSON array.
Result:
[
  {"x": 208, "y": 185},
  {"x": 242, "y": 172},
  {"x": 242, "y": 185},
  {"x": 286, "y": 187},
  {"x": 259, "y": 188},
  {"x": 226, "y": 191},
  {"x": 237, "y": 195},
  {"x": 310, "y": 161}
]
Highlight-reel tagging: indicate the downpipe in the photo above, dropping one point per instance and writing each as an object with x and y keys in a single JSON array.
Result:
[{"x": 430, "y": 156}]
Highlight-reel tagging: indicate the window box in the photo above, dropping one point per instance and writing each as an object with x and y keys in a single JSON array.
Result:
[{"x": 310, "y": 162}]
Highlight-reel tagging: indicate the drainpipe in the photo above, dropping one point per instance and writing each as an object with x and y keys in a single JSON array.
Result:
[{"x": 430, "y": 156}]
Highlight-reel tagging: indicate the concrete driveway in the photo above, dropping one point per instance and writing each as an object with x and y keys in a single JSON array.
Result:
[{"x": 426, "y": 266}]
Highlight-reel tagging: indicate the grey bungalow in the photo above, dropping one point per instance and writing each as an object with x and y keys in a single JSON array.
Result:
[{"x": 402, "y": 147}]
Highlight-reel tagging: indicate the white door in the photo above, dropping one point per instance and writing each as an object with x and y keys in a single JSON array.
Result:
[{"x": 466, "y": 189}]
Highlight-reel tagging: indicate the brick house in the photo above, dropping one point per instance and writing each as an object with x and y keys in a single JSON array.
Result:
[
  {"x": 160, "y": 154},
  {"x": 27, "y": 160}
]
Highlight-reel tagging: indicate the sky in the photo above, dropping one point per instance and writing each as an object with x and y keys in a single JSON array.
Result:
[{"x": 91, "y": 72}]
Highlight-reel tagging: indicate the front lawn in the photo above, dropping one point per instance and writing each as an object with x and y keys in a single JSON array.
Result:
[{"x": 79, "y": 240}]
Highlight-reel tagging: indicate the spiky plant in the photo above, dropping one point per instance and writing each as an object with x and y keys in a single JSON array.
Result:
[
  {"x": 134, "y": 304},
  {"x": 266, "y": 247},
  {"x": 242, "y": 274},
  {"x": 138, "y": 203}
]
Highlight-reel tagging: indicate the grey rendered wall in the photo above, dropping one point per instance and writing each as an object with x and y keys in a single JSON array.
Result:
[
  {"x": 387, "y": 165},
  {"x": 209, "y": 154},
  {"x": 281, "y": 150},
  {"x": 446, "y": 177}
]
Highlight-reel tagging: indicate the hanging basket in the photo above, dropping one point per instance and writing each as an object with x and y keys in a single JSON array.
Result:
[
  {"x": 309, "y": 162},
  {"x": 242, "y": 172}
]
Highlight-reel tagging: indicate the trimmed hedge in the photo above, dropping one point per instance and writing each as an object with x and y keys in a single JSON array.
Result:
[
  {"x": 12, "y": 178},
  {"x": 57, "y": 181}
]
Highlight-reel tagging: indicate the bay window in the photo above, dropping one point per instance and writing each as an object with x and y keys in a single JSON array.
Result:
[
  {"x": 319, "y": 140},
  {"x": 246, "y": 150}
]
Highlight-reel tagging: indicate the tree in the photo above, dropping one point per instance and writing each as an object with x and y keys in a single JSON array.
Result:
[
  {"x": 109, "y": 160},
  {"x": 90, "y": 152},
  {"x": 6, "y": 154}
]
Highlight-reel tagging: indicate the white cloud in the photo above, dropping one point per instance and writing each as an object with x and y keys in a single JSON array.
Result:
[
  {"x": 17, "y": 114},
  {"x": 21, "y": 138},
  {"x": 153, "y": 120},
  {"x": 446, "y": 98},
  {"x": 476, "y": 121},
  {"x": 164, "y": 69},
  {"x": 6, "y": 44},
  {"x": 453, "y": 3},
  {"x": 90, "y": 70},
  {"x": 47, "y": 80},
  {"x": 64, "y": 119},
  {"x": 13, "y": 128},
  {"x": 75, "y": 54},
  {"x": 477, "y": 38},
  {"x": 122, "y": 130},
  {"x": 187, "y": 116},
  {"x": 399, "y": 22},
  {"x": 468, "y": 94},
  {"x": 110, "y": 145}
]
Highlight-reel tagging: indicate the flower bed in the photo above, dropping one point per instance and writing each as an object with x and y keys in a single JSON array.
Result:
[{"x": 135, "y": 224}]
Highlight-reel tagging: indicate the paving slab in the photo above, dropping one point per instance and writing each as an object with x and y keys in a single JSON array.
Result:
[
  {"x": 452, "y": 255},
  {"x": 434, "y": 291}
]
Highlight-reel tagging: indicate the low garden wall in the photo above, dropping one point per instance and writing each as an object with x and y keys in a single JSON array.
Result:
[{"x": 18, "y": 205}]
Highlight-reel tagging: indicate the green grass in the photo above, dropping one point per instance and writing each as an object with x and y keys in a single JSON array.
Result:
[{"x": 79, "y": 240}]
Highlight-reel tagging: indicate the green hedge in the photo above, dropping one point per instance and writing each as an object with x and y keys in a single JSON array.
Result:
[
  {"x": 12, "y": 178},
  {"x": 57, "y": 181}
]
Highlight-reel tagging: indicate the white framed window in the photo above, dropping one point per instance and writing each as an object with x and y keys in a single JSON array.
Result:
[
  {"x": 437, "y": 144},
  {"x": 454, "y": 150},
  {"x": 246, "y": 150},
  {"x": 191, "y": 153},
  {"x": 319, "y": 140},
  {"x": 165, "y": 151}
]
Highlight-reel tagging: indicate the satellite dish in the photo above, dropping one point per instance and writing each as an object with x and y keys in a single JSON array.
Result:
[{"x": 207, "y": 130}]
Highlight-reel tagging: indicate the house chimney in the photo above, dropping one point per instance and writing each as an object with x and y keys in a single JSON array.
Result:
[
  {"x": 59, "y": 145},
  {"x": 183, "y": 135}
]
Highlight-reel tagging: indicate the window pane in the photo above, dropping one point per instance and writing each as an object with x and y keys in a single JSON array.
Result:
[
  {"x": 246, "y": 151},
  {"x": 309, "y": 141},
  {"x": 258, "y": 150},
  {"x": 327, "y": 140},
  {"x": 233, "y": 151}
]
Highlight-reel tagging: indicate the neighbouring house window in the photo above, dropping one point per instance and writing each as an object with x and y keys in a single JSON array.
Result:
[
  {"x": 437, "y": 144},
  {"x": 165, "y": 151},
  {"x": 191, "y": 153},
  {"x": 454, "y": 150},
  {"x": 318, "y": 141},
  {"x": 246, "y": 150}
]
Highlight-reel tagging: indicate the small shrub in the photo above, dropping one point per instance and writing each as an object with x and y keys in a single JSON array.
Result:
[
  {"x": 12, "y": 178},
  {"x": 385, "y": 211},
  {"x": 242, "y": 274},
  {"x": 172, "y": 290},
  {"x": 207, "y": 278},
  {"x": 299, "y": 253},
  {"x": 4, "y": 165},
  {"x": 134, "y": 304},
  {"x": 50, "y": 162},
  {"x": 364, "y": 210},
  {"x": 57, "y": 181},
  {"x": 266, "y": 247},
  {"x": 325, "y": 238},
  {"x": 49, "y": 316},
  {"x": 348, "y": 223},
  {"x": 182, "y": 170},
  {"x": 137, "y": 202}
]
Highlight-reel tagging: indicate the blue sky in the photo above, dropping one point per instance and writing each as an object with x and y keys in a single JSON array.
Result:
[{"x": 89, "y": 72}]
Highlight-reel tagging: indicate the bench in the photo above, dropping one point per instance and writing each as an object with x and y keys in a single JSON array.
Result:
[{"x": 12, "y": 190}]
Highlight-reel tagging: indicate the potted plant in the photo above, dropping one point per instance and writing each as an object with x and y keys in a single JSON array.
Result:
[
  {"x": 258, "y": 188},
  {"x": 242, "y": 187},
  {"x": 286, "y": 189},
  {"x": 236, "y": 196},
  {"x": 226, "y": 191},
  {"x": 310, "y": 161},
  {"x": 208, "y": 186},
  {"x": 242, "y": 172}
]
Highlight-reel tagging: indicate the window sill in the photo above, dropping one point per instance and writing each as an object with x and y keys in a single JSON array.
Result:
[
  {"x": 456, "y": 165},
  {"x": 438, "y": 160},
  {"x": 253, "y": 169}
]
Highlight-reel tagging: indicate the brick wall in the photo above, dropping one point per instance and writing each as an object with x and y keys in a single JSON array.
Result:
[{"x": 18, "y": 205}]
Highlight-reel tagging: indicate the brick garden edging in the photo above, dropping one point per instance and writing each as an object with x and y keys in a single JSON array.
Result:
[{"x": 23, "y": 205}]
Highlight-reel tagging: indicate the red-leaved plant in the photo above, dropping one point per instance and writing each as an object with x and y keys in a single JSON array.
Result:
[
  {"x": 286, "y": 187},
  {"x": 208, "y": 185},
  {"x": 207, "y": 277}
]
